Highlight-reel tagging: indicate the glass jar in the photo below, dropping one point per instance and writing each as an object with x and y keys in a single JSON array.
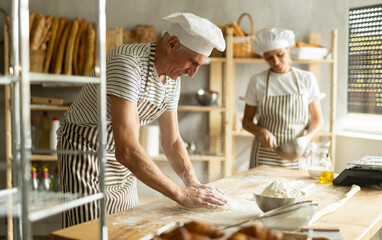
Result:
[{"x": 318, "y": 160}]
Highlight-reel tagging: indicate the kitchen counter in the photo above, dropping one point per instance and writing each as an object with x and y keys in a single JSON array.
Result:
[{"x": 360, "y": 217}]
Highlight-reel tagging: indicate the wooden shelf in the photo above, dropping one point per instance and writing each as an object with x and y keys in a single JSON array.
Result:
[
  {"x": 261, "y": 60},
  {"x": 36, "y": 107},
  {"x": 191, "y": 108},
  {"x": 241, "y": 133},
  {"x": 36, "y": 157}
]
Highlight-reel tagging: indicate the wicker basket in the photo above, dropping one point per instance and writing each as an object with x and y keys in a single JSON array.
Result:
[
  {"x": 36, "y": 60},
  {"x": 242, "y": 46}
]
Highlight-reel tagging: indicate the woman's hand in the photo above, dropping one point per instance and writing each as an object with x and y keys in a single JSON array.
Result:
[
  {"x": 202, "y": 196},
  {"x": 267, "y": 139}
]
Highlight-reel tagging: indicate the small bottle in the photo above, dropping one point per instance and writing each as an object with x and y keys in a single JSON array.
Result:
[
  {"x": 55, "y": 184},
  {"x": 33, "y": 134},
  {"x": 34, "y": 182},
  {"x": 44, "y": 132},
  {"x": 45, "y": 183},
  {"x": 53, "y": 135},
  {"x": 327, "y": 175}
]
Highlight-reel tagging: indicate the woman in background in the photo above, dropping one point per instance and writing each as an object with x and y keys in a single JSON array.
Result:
[{"x": 283, "y": 100}]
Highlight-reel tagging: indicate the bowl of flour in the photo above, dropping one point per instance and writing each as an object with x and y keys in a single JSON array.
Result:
[{"x": 278, "y": 194}]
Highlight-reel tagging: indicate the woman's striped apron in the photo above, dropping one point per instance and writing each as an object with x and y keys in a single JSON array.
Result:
[
  {"x": 80, "y": 173},
  {"x": 286, "y": 117}
]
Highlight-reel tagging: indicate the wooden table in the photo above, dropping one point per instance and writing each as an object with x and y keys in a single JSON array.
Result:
[{"x": 358, "y": 218}]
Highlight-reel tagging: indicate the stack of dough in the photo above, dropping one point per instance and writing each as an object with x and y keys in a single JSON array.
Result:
[{"x": 69, "y": 46}]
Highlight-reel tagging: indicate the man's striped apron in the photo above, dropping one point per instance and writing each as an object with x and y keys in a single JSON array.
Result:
[
  {"x": 80, "y": 173},
  {"x": 286, "y": 117}
]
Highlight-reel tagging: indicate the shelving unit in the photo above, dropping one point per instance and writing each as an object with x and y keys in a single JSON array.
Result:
[
  {"x": 227, "y": 64},
  {"x": 17, "y": 201}
]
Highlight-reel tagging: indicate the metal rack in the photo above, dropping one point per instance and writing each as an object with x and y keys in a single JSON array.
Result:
[{"x": 18, "y": 201}]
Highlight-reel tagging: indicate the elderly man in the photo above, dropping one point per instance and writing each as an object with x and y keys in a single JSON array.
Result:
[{"x": 143, "y": 84}]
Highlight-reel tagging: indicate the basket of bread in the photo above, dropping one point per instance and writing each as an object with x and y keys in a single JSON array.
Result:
[{"x": 242, "y": 40}]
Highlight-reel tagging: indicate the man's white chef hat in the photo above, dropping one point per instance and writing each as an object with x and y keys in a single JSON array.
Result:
[
  {"x": 196, "y": 33},
  {"x": 272, "y": 39}
]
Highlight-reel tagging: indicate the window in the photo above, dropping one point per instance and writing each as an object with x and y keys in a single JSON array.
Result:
[{"x": 365, "y": 60}]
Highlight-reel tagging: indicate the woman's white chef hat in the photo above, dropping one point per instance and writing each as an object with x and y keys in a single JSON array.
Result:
[
  {"x": 271, "y": 39},
  {"x": 196, "y": 33}
]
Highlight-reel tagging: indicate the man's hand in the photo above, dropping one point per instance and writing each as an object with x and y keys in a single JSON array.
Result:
[
  {"x": 202, "y": 196},
  {"x": 267, "y": 139}
]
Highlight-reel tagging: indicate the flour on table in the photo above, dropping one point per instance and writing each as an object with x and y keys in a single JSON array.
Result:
[{"x": 281, "y": 189}]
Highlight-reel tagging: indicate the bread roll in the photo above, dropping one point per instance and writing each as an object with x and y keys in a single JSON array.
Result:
[
  {"x": 76, "y": 52},
  {"x": 89, "y": 51},
  {"x": 52, "y": 39},
  {"x": 61, "y": 26},
  {"x": 37, "y": 32},
  {"x": 61, "y": 49},
  {"x": 70, "y": 48},
  {"x": 204, "y": 229}
]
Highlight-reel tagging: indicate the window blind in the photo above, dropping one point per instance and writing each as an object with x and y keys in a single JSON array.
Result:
[{"x": 365, "y": 60}]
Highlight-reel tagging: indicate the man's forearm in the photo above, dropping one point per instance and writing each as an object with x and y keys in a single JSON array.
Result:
[{"x": 179, "y": 160}]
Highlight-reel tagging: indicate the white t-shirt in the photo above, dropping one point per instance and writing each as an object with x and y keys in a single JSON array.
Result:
[{"x": 282, "y": 84}]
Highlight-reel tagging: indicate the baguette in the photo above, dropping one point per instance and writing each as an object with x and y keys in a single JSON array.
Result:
[
  {"x": 44, "y": 37},
  {"x": 89, "y": 51},
  {"x": 81, "y": 30},
  {"x": 61, "y": 26},
  {"x": 237, "y": 30},
  {"x": 31, "y": 19},
  {"x": 49, "y": 52},
  {"x": 81, "y": 53},
  {"x": 37, "y": 32},
  {"x": 8, "y": 22},
  {"x": 70, "y": 47},
  {"x": 61, "y": 49}
]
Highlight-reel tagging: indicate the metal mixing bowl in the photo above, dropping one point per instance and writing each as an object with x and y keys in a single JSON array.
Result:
[
  {"x": 294, "y": 149},
  {"x": 269, "y": 203},
  {"x": 290, "y": 217},
  {"x": 206, "y": 97}
]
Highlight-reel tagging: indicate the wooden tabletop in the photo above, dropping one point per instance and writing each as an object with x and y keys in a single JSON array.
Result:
[{"x": 360, "y": 217}]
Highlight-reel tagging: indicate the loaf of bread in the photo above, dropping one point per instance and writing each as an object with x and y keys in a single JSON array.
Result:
[
  {"x": 76, "y": 52},
  {"x": 48, "y": 57},
  {"x": 70, "y": 47},
  {"x": 89, "y": 51},
  {"x": 61, "y": 26},
  {"x": 61, "y": 49},
  {"x": 37, "y": 32}
]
